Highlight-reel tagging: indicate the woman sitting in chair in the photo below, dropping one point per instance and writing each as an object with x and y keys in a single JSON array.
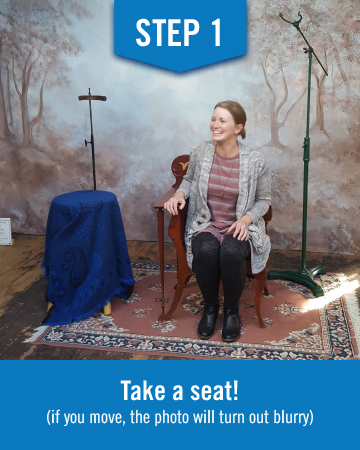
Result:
[{"x": 228, "y": 189}]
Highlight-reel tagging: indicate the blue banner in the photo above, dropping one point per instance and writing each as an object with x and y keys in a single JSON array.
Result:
[
  {"x": 180, "y": 35},
  {"x": 179, "y": 404}
]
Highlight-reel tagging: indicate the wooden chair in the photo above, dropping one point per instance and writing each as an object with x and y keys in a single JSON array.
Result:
[{"x": 176, "y": 233}]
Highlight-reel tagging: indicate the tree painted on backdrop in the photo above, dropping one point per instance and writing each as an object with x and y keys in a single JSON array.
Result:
[
  {"x": 275, "y": 59},
  {"x": 338, "y": 43},
  {"x": 334, "y": 41},
  {"x": 35, "y": 40},
  {"x": 333, "y": 29}
]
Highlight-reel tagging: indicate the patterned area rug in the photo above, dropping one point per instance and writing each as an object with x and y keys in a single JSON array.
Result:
[{"x": 299, "y": 326}]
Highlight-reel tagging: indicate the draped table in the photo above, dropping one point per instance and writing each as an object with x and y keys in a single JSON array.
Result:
[{"x": 86, "y": 256}]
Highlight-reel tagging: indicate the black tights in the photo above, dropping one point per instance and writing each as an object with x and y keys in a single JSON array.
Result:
[{"x": 214, "y": 262}]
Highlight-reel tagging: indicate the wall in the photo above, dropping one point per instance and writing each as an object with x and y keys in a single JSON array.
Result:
[{"x": 51, "y": 52}]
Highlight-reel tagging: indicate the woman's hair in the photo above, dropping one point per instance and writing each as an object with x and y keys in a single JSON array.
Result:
[{"x": 238, "y": 113}]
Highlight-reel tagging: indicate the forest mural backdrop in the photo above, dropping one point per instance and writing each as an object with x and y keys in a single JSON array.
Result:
[{"x": 52, "y": 51}]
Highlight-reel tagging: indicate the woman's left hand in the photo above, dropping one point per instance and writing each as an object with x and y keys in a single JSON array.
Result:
[{"x": 241, "y": 228}]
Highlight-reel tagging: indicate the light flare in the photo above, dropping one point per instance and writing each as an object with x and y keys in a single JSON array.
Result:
[{"x": 347, "y": 285}]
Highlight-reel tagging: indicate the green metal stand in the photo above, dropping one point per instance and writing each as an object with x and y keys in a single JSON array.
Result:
[{"x": 303, "y": 276}]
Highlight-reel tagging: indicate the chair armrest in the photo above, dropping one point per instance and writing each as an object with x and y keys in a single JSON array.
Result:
[
  {"x": 160, "y": 203},
  {"x": 177, "y": 225},
  {"x": 268, "y": 215},
  {"x": 177, "y": 228}
]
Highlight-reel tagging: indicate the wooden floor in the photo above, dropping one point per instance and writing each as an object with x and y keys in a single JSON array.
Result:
[
  {"x": 20, "y": 265},
  {"x": 20, "y": 268}
]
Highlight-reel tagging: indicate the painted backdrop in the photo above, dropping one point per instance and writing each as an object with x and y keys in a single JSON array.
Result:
[{"x": 52, "y": 51}]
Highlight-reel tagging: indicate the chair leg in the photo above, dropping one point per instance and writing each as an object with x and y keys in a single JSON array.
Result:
[
  {"x": 260, "y": 286},
  {"x": 266, "y": 290},
  {"x": 183, "y": 271},
  {"x": 184, "y": 275},
  {"x": 187, "y": 279},
  {"x": 175, "y": 302}
]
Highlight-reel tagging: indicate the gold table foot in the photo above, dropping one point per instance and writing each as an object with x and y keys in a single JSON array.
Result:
[{"x": 107, "y": 309}]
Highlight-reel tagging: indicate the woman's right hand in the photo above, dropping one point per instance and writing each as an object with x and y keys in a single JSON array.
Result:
[{"x": 172, "y": 204}]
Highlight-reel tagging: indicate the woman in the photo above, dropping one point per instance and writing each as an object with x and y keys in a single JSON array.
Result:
[{"x": 229, "y": 191}]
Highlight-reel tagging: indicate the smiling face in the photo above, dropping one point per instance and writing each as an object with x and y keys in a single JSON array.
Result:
[{"x": 223, "y": 127}]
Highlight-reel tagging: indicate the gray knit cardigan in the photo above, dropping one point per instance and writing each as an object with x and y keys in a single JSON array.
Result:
[{"x": 254, "y": 198}]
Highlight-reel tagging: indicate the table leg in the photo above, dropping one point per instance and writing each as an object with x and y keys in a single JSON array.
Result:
[
  {"x": 161, "y": 254},
  {"x": 49, "y": 305},
  {"x": 107, "y": 309}
]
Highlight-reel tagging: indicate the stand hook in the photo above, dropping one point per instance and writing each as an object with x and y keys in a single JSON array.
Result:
[
  {"x": 296, "y": 23},
  {"x": 310, "y": 49}
]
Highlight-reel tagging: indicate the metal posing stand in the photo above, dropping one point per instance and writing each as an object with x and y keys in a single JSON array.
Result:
[
  {"x": 92, "y": 97},
  {"x": 303, "y": 276}
]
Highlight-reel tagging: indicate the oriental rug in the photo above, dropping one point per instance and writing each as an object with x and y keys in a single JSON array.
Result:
[{"x": 299, "y": 326}]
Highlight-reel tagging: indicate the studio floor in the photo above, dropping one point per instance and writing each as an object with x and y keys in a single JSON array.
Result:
[{"x": 20, "y": 269}]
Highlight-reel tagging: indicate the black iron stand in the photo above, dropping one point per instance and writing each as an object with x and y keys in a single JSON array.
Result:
[{"x": 92, "y": 97}]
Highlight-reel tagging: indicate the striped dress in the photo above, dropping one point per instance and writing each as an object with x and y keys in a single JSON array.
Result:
[{"x": 223, "y": 192}]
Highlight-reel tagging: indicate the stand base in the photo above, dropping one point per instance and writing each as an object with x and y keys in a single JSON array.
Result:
[{"x": 301, "y": 276}]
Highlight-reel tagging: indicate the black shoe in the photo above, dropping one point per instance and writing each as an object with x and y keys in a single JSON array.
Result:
[
  {"x": 207, "y": 323},
  {"x": 232, "y": 324}
]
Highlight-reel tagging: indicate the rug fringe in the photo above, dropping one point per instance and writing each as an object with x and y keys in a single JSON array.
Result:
[
  {"x": 37, "y": 333},
  {"x": 353, "y": 307}
]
